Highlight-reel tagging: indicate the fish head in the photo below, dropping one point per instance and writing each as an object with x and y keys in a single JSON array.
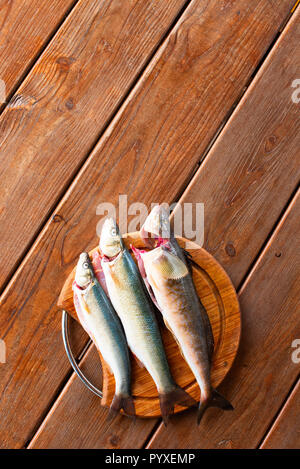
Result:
[
  {"x": 111, "y": 242},
  {"x": 157, "y": 225},
  {"x": 84, "y": 271},
  {"x": 164, "y": 265}
]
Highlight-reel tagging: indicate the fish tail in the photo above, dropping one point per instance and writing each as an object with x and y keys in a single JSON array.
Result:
[
  {"x": 122, "y": 401},
  {"x": 168, "y": 400},
  {"x": 215, "y": 399}
]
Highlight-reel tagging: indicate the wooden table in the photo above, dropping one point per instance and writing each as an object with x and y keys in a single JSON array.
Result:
[{"x": 165, "y": 101}]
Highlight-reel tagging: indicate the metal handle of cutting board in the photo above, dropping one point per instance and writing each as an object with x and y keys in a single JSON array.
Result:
[{"x": 66, "y": 341}]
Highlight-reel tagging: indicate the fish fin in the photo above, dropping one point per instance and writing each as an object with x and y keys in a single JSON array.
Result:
[
  {"x": 168, "y": 400},
  {"x": 214, "y": 400},
  {"x": 121, "y": 401},
  {"x": 176, "y": 340},
  {"x": 170, "y": 266}
]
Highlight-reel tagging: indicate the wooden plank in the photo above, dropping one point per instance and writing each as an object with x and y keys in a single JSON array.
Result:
[
  {"x": 218, "y": 297},
  {"x": 56, "y": 115},
  {"x": 285, "y": 433},
  {"x": 157, "y": 135},
  {"x": 110, "y": 41},
  {"x": 25, "y": 27},
  {"x": 254, "y": 165},
  {"x": 264, "y": 371},
  {"x": 98, "y": 431},
  {"x": 250, "y": 172}
]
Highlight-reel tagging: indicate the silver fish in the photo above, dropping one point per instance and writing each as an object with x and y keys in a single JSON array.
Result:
[
  {"x": 133, "y": 305},
  {"x": 97, "y": 316},
  {"x": 167, "y": 275}
]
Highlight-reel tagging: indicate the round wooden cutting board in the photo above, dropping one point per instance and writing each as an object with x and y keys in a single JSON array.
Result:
[{"x": 220, "y": 300}]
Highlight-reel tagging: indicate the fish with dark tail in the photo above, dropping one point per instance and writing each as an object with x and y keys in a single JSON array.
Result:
[
  {"x": 98, "y": 317},
  {"x": 167, "y": 276}
]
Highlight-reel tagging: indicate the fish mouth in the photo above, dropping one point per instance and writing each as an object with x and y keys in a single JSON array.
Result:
[{"x": 84, "y": 274}]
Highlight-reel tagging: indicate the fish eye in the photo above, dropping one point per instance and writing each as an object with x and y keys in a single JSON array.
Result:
[
  {"x": 85, "y": 265},
  {"x": 113, "y": 232}
]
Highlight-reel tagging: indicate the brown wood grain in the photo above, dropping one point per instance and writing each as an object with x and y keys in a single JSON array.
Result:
[
  {"x": 56, "y": 115},
  {"x": 238, "y": 156},
  {"x": 263, "y": 371},
  {"x": 219, "y": 298},
  {"x": 285, "y": 433},
  {"x": 158, "y": 135},
  {"x": 25, "y": 27}
]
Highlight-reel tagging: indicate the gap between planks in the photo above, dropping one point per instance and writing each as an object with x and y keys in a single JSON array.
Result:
[
  {"x": 36, "y": 57},
  {"x": 271, "y": 233},
  {"x": 123, "y": 101}
]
